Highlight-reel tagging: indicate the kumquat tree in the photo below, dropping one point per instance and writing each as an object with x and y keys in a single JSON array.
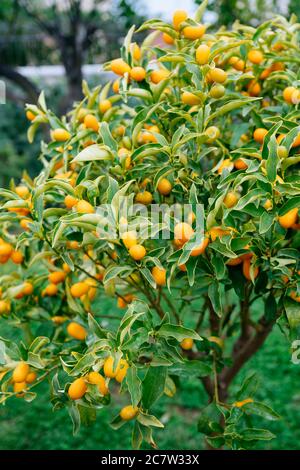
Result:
[{"x": 197, "y": 119}]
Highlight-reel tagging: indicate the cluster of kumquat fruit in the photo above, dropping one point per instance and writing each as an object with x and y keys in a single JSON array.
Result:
[{"x": 191, "y": 116}]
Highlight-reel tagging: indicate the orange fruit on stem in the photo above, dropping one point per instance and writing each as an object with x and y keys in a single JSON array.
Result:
[
  {"x": 247, "y": 270},
  {"x": 98, "y": 379},
  {"x": 178, "y": 17},
  {"x": 202, "y": 54},
  {"x": 183, "y": 232},
  {"x": 60, "y": 135},
  {"x": 20, "y": 372},
  {"x": 290, "y": 218},
  {"x": 137, "y": 252},
  {"x": 159, "y": 275},
  {"x": 259, "y": 134},
  {"x": 120, "y": 67},
  {"x": 128, "y": 412},
  {"x": 256, "y": 57},
  {"x": 194, "y": 32},
  {"x": 91, "y": 122},
  {"x": 77, "y": 389},
  {"x": 76, "y": 331},
  {"x": 187, "y": 344},
  {"x": 164, "y": 187},
  {"x": 138, "y": 74}
]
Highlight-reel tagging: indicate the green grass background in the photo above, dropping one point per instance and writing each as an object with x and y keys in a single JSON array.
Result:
[{"x": 35, "y": 426}]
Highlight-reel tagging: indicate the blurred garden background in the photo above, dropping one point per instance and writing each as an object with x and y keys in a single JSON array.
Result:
[{"x": 52, "y": 45}]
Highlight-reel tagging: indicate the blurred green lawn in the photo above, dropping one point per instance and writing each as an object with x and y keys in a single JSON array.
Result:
[{"x": 35, "y": 426}]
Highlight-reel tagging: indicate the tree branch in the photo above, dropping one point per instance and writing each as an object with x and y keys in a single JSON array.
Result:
[
  {"x": 241, "y": 356},
  {"x": 26, "y": 85}
]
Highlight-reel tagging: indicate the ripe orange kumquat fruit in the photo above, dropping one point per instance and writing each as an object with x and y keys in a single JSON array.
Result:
[
  {"x": 77, "y": 389},
  {"x": 288, "y": 94},
  {"x": 128, "y": 412},
  {"x": 61, "y": 135},
  {"x": 125, "y": 300},
  {"x": 164, "y": 187},
  {"x": 289, "y": 219},
  {"x": 20, "y": 372},
  {"x": 179, "y": 17},
  {"x": 6, "y": 249},
  {"x": 159, "y": 275},
  {"x": 194, "y": 32},
  {"x": 30, "y": 116},
  {"x": 144, "y": 197},
  {"x": 76, "y": 331},
  {"x": 259, "y": 134},
  {"x": 157, "y": 76},
  {"x": 190, "y": 98},
  {"x": 168, "y": 39},
  {"x": 199, "y": 250},
  {"x": 231, "y": 199},
  {"x": 187, "y": 344},
  {"x": 50, "y": 291},
  {"x": 138, "y": 74},
  {"x": 239, "y": 164},
  {"x": 97, "y": 379},
  {"x": 122, "y": 370},
  {"x": 5, "y": 307},
  {"x": 256, "y": 57},
  {"x": 110, "y": 368},
  {"x": 217, "y": 75},
  {"x": 57, "y": 277},
  {"x": 91, "y": 122},
  {"x": 129, "y": 238},
  {"x": 84, "y": 207},
  {"x": 22, "y": 191},
  {"x": 28, "y": 288},
  {"x": 17, "y": 257},
  {"x": 120, "y": 67},
  {"x": 70, "y": 201},
  {"x": 137, "y": 252},
  {"x": 183, "y": 232},
  {"x": 247, "y": 270},
  {"x": 31, "y": 377},
  {"x": 19, "y": 388},
  {"x": 79, "y": 289},
  {"x": 104, "y": 106}
]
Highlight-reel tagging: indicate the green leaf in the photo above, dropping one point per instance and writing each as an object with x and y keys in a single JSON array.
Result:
[
  {"x": 262, "y": 410},
  {"x": 108, "y": 139},
  {"x": 215, "y": 294},
  {"x": 292, "y": 311},
  {"x": 266, "y": 222},
  {"x": 149, "y": 420},
  {"x": 153, "y": 385},
  {"x": 137, "y": 436},
  {"x": 75, "y": 417},
  {"x": 226, "y": 108},
  {"x": 248, "y": 388},
  {"x": 93, "y": 153},
  {"x": 167, "y": 330},
  {"x": 271, "y": 133},
  {"x": 191, "y": 368},
  {"x": 134, "y": 385},
  {"x": 38, "y": 344},
  {"x": 116, "y": 271},
  {"x": 292, "y": 203},
  {"x": 200, "y": 11},
  {"x": 272, "y": 160},
  {"x": 95, "y": 328},
  {"x": 253, "y": 434}
]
